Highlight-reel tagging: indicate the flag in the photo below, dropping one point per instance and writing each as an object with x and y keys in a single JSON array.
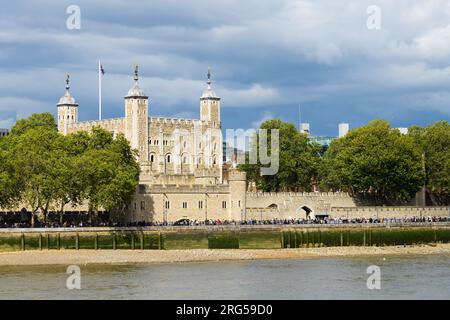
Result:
[{"x": 102, "y": 70}]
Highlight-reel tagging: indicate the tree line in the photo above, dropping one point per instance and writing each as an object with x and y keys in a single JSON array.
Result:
[
  {"x": 374, "y": 160},
  {"x": 44, "y": 169}
]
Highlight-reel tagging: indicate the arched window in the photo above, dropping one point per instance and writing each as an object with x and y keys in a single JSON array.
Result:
[
  {"x": 152, "y": 158},
  {"x": 168, "y": 158}
]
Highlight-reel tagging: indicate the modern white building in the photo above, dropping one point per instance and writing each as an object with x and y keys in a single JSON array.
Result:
[
  {"x": 304, "y": 128},
  {"x": 343, "y": 129},
  {"x": 4, "y": 132}
]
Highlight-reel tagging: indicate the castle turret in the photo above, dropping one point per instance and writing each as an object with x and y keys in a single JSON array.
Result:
[
  {"x": 211, "y": 134},
  {"x": 237, "y": 181},
  {"x": 136, "y": 118},
  {"x": 210, "y": 105},
  {"x": 67, "y": 109}
]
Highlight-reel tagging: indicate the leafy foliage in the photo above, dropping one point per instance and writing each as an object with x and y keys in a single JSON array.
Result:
[
  {"x": 434, "y": 142},
  {"x": 43, "y": 168},
  {"x": 298, "y": 160},
  {"x": 374, "y": 159}
]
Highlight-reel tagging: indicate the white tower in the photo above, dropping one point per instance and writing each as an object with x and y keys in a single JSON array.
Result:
[
  {"x": 67, "y": 109},
  {"x": 210, "y": 105},
  {"x": 343, "y": 129},
  {"x": 211, "y": 134},
  {"x": 136, "y": 118}
]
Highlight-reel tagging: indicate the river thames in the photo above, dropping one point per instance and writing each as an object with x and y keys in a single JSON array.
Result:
[{"x": 424, "y": 277}]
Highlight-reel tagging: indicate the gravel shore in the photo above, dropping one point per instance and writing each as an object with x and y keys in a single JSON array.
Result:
[{"x": 83, "y": 257}]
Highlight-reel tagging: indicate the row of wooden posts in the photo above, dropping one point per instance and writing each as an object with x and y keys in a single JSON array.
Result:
[{"x": 96, "y": 247}]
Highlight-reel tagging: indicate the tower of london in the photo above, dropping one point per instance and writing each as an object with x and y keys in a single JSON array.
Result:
[{"x": 181, "y": 160}]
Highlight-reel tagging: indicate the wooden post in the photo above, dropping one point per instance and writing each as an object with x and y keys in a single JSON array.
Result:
[
  {"x": 22, "y": 241},
  {"x": 142, "y": 240},
  {"x": 307, "y": 239},
  {"x": 319, "y": 238},
  {"x": 48, "y": 241},
  {"x": 159, "y": 240},
  {"x": 282, "y": 239},
  {"x": 295, "y": 239},
  {"x": 40, "y": 241},
  {"x": 114, "y": 241},
  {"x": 342, "y": 239},
  {"x": 58, "y": 241},
  {"x": 96, "y": 242},
  {"x": 77, "y": 242},
  {"x": 364, "y": 240}
]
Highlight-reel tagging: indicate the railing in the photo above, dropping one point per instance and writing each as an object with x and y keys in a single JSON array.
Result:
[{"x": 228, "y": 227}]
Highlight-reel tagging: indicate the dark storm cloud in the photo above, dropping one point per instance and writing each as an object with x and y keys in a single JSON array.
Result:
[{"x": 267, "y": 58}]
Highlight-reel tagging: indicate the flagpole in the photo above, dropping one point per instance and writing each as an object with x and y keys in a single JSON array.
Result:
[{"x": 99, "y": 91}]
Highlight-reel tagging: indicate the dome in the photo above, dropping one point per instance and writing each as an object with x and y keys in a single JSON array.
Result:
[
  {"x": 135, "y": 91},
  {"x": 208, "y": 92},
  {"x": 67, "y": 99}
]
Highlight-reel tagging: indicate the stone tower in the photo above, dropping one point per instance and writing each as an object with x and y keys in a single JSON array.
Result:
[
  {"x": 210, "y": 105},
  {"x": 211, "y": 130},
  {"x": 237, "y": 181},
  {"x": 67, "y": 109},
  {"x": 136, "y": 119}
]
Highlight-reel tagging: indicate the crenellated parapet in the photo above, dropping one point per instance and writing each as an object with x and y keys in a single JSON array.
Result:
[
  {"x": 183, "y": 189},
  {"x": 175, "y": 121},
  {"x": 297, "y": 194}
]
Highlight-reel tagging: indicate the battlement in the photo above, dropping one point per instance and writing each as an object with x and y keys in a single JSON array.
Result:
[
  {"x": 107, "y": 123},
  {"x": 207, "y": 172},
  {"x": 176, "y": 121},
  {"x": 297, "y": 194},
  {"x": 236, "y": 175},
  {"x": 172, "y": 188}
]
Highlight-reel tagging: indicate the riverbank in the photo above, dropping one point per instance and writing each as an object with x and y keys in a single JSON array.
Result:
[{"x": 84, "y": 257}]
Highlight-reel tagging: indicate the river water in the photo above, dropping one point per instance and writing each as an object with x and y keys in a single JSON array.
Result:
[{"x": 425, "y": 277}]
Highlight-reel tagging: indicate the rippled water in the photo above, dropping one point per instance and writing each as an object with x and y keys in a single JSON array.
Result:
[{"x": 401, "y": 278}]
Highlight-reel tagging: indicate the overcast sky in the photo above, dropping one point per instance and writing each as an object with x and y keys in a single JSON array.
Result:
[{"x": 267, "y": 57}]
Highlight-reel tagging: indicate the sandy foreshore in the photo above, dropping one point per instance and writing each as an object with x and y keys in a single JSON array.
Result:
[{"x": 84, "y": 257}]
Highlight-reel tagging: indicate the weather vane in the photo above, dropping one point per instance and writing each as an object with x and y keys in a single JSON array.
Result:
[
  {"x": 67, "y": 81},
  {"x": 136, "y": 76}
]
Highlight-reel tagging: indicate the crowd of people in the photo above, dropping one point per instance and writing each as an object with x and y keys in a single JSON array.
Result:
[{"x": 211, "y": 222}]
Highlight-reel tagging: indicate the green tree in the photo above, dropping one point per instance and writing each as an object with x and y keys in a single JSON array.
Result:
[
  {"x": 298, "y": 160},
  {"x": 10, "y": 183},
  {"x": 45, "y": 120},
  {"x": 109, "y": 171},
  {"x": 434, "y": 142},
  {"x": 374, "y": 159},
  {"x": 33, "y": 159},
  {"x": 42, "y": 168}
]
